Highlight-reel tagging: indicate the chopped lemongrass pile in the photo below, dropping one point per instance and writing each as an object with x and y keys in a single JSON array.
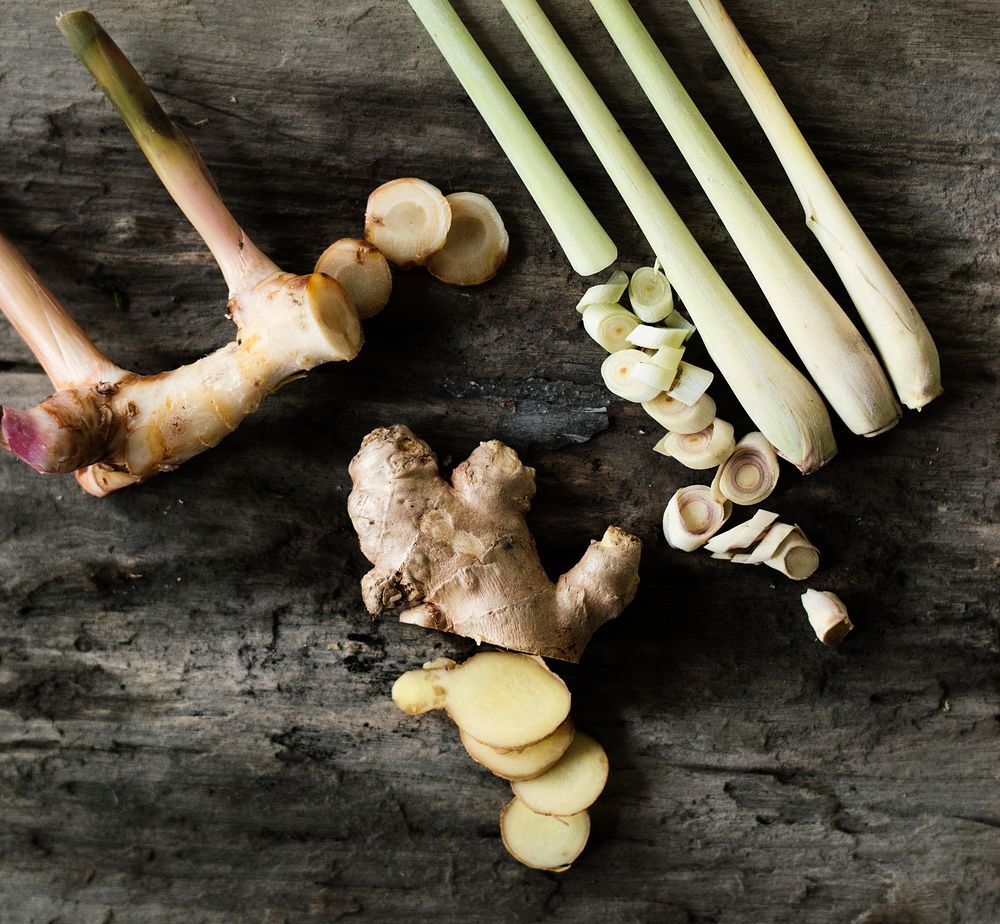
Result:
[
  {"x": 585, "y": 243},
  {"x": 827, "y": 616},
  {"x": 362, "y": 270},
  {"x": 692, "y": 516},
  {"x": 750, "y": 474},
  {"x": 408, "y": 220},
  {"x": 475, "y": 248},
  {"x": 705, "y": 449}
]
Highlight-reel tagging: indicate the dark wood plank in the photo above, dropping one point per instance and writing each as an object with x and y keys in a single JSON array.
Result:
[{"x": 194, "y": 712}]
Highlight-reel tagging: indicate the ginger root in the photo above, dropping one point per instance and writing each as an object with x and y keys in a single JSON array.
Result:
[{"x": 461, "y": 557}]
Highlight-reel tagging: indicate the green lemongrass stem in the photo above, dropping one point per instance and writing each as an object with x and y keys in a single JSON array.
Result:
[
  {"x": 776, "y": 396},
  {"x": 169, "y": 151},
  {"x": 836, "y": 355},
  {"x": 892, "y": 320},
  {"x": 64, "y": 351},
  {"x": 585, "y": 243}
]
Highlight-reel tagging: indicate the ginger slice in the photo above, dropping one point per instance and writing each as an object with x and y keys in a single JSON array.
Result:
[
  {"x": 548, "y": 842},
  {"x": 408, "y": 220},
  {"x": 362, "y": 270},
  {"x": 476, "y": 246},
  {"x": 500, "y": 698},
  {"x": 572, "y": 785},
  {"x": 522, "y": 763}
]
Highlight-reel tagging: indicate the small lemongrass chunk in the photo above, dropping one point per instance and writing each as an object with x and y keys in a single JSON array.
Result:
[
  {"x": 547, "y": 842},
  {"x": 691, "y": 383},
  {"x": 827, "y": 615},
  {"x": 705, "y": 449},
  {"x": 362, "y": 270},
  {"x": 522, "y": 763},
  {"x": 654, "y": 338},
  {"x": 677, "y": 321},
  {"x": 766, "y": 547},
  {"x": 796, "y": 557},
  {"x": 502, "y": 699},
  {"x": 742, "y": 536},
  {"x": 572, "y": 785},
  {"x": 408, "y": 220},
  {"x": 477, "y": 242},
  {"x": 608, "y": 293},
  {"x": 649, "y": 373},
  {"x": 750, "y": 474},
  {"x": 616, "y": 372},
  {"x": 692, "y": 516},
  {"x": 609, "y": 325},
  {"x": 679, "y": 417},
  {"x": 649, "y": 294}
]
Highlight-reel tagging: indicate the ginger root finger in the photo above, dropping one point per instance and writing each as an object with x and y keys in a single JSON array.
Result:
[{"x": 461, "y": 555}]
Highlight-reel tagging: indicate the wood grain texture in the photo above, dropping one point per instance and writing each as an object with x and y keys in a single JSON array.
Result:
[{"x": 195, "y": 723}]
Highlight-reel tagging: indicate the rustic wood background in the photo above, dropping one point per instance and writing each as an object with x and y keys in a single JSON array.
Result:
[{"x": 195, "y": 723}]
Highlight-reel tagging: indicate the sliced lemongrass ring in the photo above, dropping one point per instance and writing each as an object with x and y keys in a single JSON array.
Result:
[
  {"x": 477, "y": 242},
  {"x": 667, "y": 357},
  {"x": 649, "y": 294},
  {"x": 796, "y": 557},
  {"x": 607, "y": 293},
  {"x": 691, "y": 383},
  {"x": 827, "y": 615},
  {"x": 609, "y": 325},
  {"x": 767, "y": 545},
  {"x": 408, "y": 220},
  {"x": 679, "y": 417},
  {"x": 742, "y": 536},
  {"x": 649, "y": 373},
  {"x": 362, "y": 270},
  {"x": 677, "y": 321},
  {"x": 692, "y": 516},
  {"x": 750, "y": 474},
  {"x": 705, "y": 449},
  {"x": 615, "y": 371},
  {"x": 654, "y": 338}
]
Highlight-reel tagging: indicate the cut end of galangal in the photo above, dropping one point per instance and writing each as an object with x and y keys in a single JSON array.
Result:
[
  {"x": 546, "y": 842},
  {"x": 407, "y": 220},
  {"x": 362, "y": 270},
  {"x": 336, "y": 318},
  {"x": 477, "y": 243}
]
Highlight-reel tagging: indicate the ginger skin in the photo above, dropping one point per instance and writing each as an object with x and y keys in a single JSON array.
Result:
[{"x": 460, "y": 556}]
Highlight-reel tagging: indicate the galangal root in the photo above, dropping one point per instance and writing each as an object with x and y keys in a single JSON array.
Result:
[
  {"x": 460, "y": 558},
  {"x": 114, "y": 427}
]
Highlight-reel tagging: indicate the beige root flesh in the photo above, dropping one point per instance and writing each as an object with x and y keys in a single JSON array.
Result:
[{"x": 461, "y": 558}]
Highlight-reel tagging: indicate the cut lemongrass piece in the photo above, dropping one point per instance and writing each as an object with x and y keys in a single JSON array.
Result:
[
  {"x": 677, "y": 321},
  {"x": 585, "y": 243},
  {"x": 655, "y": 338},
  {"x": 704, "y": 449},
  {"x": 679, "y": 417},
  {"x": 408, "y": 220},
  {"x": 744, "y": 535},
  {"x": 649, "y": 294},
  {"x": 691, "y": 383},
  {"x": 668, "y": 358},
  {"x": 607, "y": 293},
  {"x": 750, "y": 474},
  {"x": 796, "y": 557},
  {"x": 827, "y": 615},
  {"x": 609, "y": 325},
  {"x": 477, "y": 242},
  {"x": 616, "y": 371},
  {"x": 777, "y": 397},
  {"x": 649, "y": 373},
  {"x": 692, "y": 516},
  {"x": 896, "y": 327},
  {"x": 768, "y": 545},
  {"x": 547, "y": 842},
  {"x": 362, "y": 270}
]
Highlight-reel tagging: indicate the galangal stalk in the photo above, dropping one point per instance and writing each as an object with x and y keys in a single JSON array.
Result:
[{"x": 114, "y": 427}]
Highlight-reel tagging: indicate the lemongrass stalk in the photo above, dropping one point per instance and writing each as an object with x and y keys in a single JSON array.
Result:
[
  {"x": 836, "y": 355},
  {"x": 895, "y": 325},
  {"x": 585, "y": 243},
  {"x": 64, "y": 351},
  {"x": 169, "y": 151},
  {"x": 779, "y": 399}
]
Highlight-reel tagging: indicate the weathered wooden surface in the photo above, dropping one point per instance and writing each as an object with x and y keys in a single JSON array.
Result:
[{"x": 194, "y": 712}]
